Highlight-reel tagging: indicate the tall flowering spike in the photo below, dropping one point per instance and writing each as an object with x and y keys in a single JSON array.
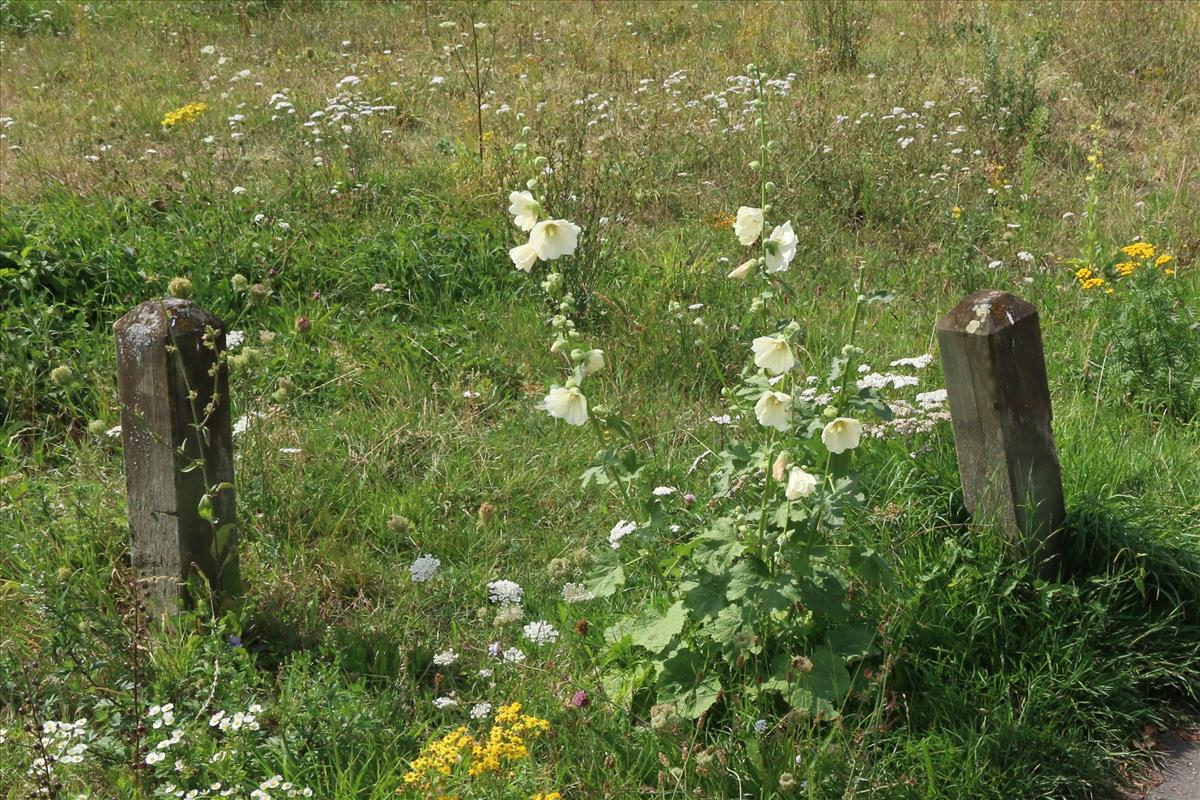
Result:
[
  {"x": 773, "y": 354},
  {"x": 801, "y": 483},
  {"x": 781, "y": 248},
  {"x": 842, "y": 434},
  {"x": 567, "y": 404},
  {"x": 524, "y": 209},
  {"x": 748, "y": 225},
  {"x": 523, "y": 257},
  {"x": 554, "y": 238},
  {"x": 774, "y": 410}
]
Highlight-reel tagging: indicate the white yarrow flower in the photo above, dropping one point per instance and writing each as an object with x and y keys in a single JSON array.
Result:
[
  {"x": 619, "y": 532},
  {"x": 424, "y": 568},
  {"x": 524, "y": 209},
  {"x": 576, "y": 593},
  {"x": 748, "y": 225},
  {"x": 842, "y": 434},
  {"x": 553, "y": 238},
  {"x": 445, "y": 658},
  {"x": 567, "y": 404},
  {"x": 481, "y": 710},
  {"x": 773, "y": 354},
  {"x": 774, "y": 410},
  {"x": 505, "y": 592},
  {"x": 540, "y": 632},
  {"x": 800, "y": 484},
  {"x": 780, "y": 247}
]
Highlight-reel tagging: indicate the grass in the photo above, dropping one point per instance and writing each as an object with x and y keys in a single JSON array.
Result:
[{"x": 412, "y": 405}]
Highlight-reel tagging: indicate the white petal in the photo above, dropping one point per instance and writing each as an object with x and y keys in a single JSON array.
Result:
[
  {"x": 748, "y": 225},
  {"x": 523, "y": 257},
  {"x": 842, "y": 434}
]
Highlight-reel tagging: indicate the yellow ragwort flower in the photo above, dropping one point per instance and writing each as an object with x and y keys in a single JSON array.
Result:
[
  {"x": 1141, "y": 250},
  {"x": 184, "y": 115}
]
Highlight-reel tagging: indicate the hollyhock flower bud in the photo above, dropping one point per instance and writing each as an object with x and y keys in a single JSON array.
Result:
[{"x": 779, "y": 468}]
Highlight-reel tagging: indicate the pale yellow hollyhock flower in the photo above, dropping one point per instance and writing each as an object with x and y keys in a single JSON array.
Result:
[
  {"x": 553, "y": 238},
  {"x": 779, "y": 468},
  {"x": 523, "y": 257},
  {"x": 800, "y": 484},
  {"x": 780, "y": 247},
  {"x": 772, "y": 354},
  {"x": 742, "y": 270},
  {"x": 524, "y": 209},
  {"x": 594, "y": 362},
  {"x": 842, "y": 434},
  {"x": 567, "y": 404},
  {"x": 748, "y": 225},
  {"x": 774, "y": 410}
]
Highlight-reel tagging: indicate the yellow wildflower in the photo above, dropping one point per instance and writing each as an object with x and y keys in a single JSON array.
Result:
[
  {"x": 1141, "y": 250},
  {"x": 546, "y": 796},
  {"x": 184, "y": 114},
  {"x": 1163, "y": 259},
  {"x": 957, "y": 212},
  {"x": 722, "y": 219}
]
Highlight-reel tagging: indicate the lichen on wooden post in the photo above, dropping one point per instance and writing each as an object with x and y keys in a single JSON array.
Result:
[
  {"x": 991, "y": 345},
  {"x": 175, "y": 427}
]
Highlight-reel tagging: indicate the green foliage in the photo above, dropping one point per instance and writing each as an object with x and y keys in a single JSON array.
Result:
[
  {"x": 838, "y": 27},
  {"x": 1009, "y": 99},
  {"x": 888, "y": 648},
  {"x": 1147, "y": 345}
]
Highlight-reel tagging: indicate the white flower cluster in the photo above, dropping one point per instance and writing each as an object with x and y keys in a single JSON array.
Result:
[
  {"x": 576, "y": 593},
  {"x": 505, "y": 592},
  {"x": 238, "y": 720},
  {"x": 619, "y": 532},
  {"x": 60, "y": 743},
  {"x": 541, "y": 632},
  {"x": 424, "y": 568},
  {"x": 285, "y": 789}
]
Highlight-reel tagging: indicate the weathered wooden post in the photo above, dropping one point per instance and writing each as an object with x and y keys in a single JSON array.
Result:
[
  {"x": 991, "y": 345},
  {"x": 175, "y": 425}
]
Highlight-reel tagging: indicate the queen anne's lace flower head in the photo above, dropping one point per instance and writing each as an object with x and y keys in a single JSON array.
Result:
[
  {"x": 505, "y": 592},
  {"x": 424, "y": 568}
]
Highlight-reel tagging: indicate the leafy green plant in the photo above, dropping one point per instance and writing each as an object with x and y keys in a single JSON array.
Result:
[{"x": 838, "y": 27}]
